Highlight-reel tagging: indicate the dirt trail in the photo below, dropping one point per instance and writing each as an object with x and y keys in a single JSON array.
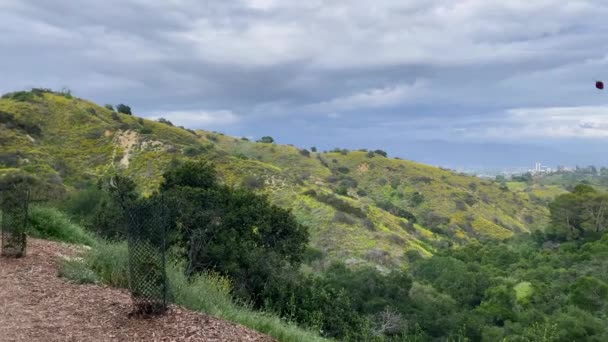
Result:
[{"x": 36, "y": 305}]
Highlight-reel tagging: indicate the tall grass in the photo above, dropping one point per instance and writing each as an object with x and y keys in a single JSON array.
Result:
[
  {"x": 109, "y": 260},
  {"x": 52, "y": 224},
  {"x": 210, "y": 293},
  {"x": 207, "y": 292}
]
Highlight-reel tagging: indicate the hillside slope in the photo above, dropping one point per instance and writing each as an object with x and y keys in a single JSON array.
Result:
[{"x": 360, "y": 207}]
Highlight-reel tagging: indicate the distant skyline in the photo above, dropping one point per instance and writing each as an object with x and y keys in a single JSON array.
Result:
[{"x": 453, "y": 83}]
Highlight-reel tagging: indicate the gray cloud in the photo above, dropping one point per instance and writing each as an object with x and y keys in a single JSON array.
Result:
[{"x": 434, "y": 68}]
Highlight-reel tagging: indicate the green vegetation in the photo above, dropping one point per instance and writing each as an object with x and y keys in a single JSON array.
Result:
[
  {"x": 77, "y": 271},
  {"x": 124, "y": 109},
  {"x": 52, "y": 224},
  {"x": 71, "y": 143},
  {"x": 266, "y": 140},
  {"x": 207, "y": 217},
  {"x": 206, "y": 292},
  {"x": 351, "y": 245}
]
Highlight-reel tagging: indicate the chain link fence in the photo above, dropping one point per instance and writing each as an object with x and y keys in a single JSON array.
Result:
[
  {"x": 146, "y": 225},
  {"x": 14, "y": 206}
]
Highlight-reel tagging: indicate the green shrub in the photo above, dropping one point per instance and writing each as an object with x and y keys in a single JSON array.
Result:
[
  {"x": 21, "y": 124},
  {"x": 82, "y": 204},
  {"x": 211, "y": 293},
  {"x": 77, "y": 271},
  {"x": 343, "y": 169},
  {"x": 50, "y": 223},
  {"x": 110, "y": 261},
  {"x": 341, "y": 217},
  {"x": 252, "y": 182},
  {"x": 381, "y": 152},
  {"x": 145, "y": 130},
  {"x": 165, "y": 121},
  {"x": 340, "y": 205},
  {"x": 266, "y": 140},
  {"x": 124, "y": 109}
]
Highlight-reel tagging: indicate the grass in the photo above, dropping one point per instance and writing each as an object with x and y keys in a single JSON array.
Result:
[
  {"x": 52, "y": 224},
  {"x": 77, "y": 271},
  {"x": 208, "y": 293}
]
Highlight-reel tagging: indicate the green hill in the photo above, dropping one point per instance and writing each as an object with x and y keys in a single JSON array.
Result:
[{"x": 360, "y": 206}]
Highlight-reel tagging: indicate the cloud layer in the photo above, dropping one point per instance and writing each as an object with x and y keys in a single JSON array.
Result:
[{"x": 300, "y": 70}]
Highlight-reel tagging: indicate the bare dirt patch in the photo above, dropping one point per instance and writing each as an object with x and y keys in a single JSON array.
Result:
[{"x": 36, "y": 305}]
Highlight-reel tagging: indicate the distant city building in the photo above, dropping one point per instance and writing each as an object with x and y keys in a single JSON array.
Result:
[{"x": 540, "y": 168}]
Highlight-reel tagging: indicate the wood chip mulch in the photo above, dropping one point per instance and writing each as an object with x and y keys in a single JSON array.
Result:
[{"x": 37, "y": 305}]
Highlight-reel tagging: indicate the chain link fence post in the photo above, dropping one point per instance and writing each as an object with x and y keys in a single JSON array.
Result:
[
  {"x": 14, "y": 207},
  {"x": 146, "y": 223}
]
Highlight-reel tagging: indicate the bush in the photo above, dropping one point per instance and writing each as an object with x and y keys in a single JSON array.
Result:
[
  {"x": 382, "y": 153},
  {"x": 124, "y": 109},
  {"x": 340, "y": 205},
  {"x": 313, "y": 149},
  {"x": 397, "y": 211},
  {"x": 266, "y": 140},
  {"x": 341, "y": 190},
  {"x": 110, "y": 261},
  {"x": 341, "y": 217},
  {"x": 109, "y": 107},
  {"x": 305, "y": 152},
  {"x": 145, "y": 130},
  {"x": 165, "y": 121},
  {"x": 21, "y": 124},
  {"x": 343, "y": 169},
  {"x": 368, "y": 224},
  {"x": 253, "y": 182},
  {"x": 50, "y": 223},
  {"x": 416, "y": 199},
  {"x": 77, "y": 271},
  {"x": 192, "y": 151},
  {"x": 211, "y": 293},
  {"x": 82, "y": 204}
]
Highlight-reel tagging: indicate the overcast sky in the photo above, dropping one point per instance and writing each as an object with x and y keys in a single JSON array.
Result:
[{"x": 389, "y": 74}]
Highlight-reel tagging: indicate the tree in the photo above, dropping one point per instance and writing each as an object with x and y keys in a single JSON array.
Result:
[
  {"x": 381, "y": 152},
  {"x": 313, "y": 149},
  {"x": 165, "y": 121},
  {"x": 109, "y": 107},
  {"x": 231, "y": 231},
  {"x": 578, "y": 214},
  {"x": 124, "y": 109},
  {"x": 266, "y": 140},
  {"x": 589, "y": 293}
]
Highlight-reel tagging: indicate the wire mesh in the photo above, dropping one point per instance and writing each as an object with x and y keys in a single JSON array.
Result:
[
  {"x": 146, "y": 232},
  {"x": 14, "y": 205}
]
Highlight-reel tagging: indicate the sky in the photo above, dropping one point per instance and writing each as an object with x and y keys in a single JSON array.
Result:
[{"x": 457, "y": 83}]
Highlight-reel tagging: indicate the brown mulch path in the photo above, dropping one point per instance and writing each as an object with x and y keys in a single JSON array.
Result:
[{"x": 37, "y": 305}]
